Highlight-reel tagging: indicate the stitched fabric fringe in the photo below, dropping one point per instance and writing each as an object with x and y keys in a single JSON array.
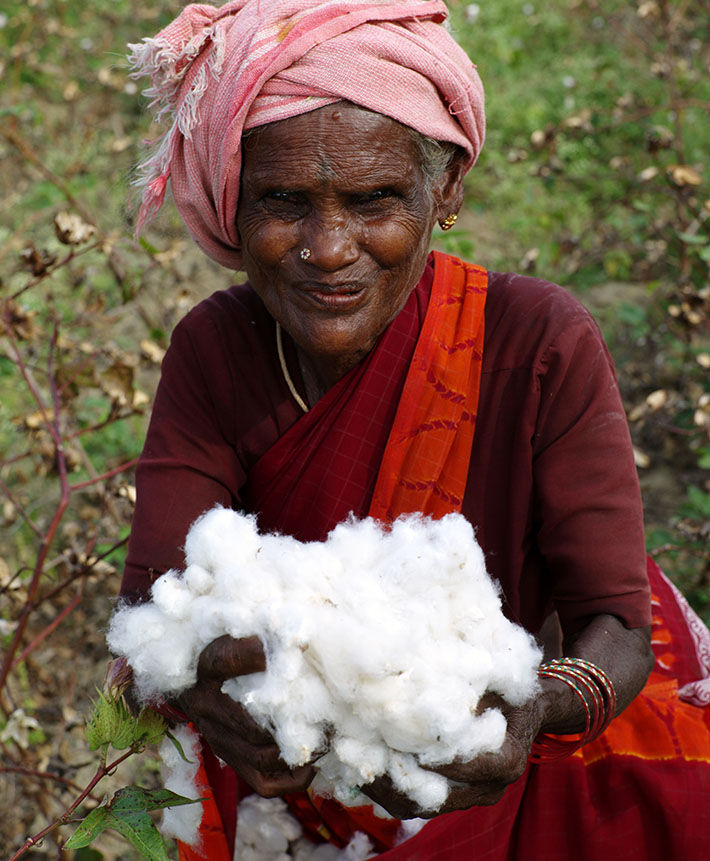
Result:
[{"x": 217, "y": 71}]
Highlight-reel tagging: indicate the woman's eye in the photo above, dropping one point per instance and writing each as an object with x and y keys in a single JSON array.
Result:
[
  {"x": 374, "y": 199},
  {"x": 284, "y": 204},
  {"x": 378, "y": 194}
]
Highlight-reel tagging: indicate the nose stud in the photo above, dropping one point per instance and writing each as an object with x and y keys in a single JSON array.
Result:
[{"x": 305, "y": 253}]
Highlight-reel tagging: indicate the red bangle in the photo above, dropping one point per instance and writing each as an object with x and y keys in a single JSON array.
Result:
[{"x": 596, "y": 693}]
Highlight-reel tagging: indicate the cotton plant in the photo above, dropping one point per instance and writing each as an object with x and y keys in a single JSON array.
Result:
[
  {"x": 113, "y": 726},
  {"x": 380, "y": 643}
]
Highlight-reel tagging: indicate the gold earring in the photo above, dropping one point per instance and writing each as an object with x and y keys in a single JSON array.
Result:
[{"x": 449, "y": 221}]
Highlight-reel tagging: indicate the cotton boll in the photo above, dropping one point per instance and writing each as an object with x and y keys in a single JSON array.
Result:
[
  {"x": 220, "y": 536},
  {"x": 172, "y": 595},
  {"x": 208, "y": 619},
  {"x": 428, "y": 789},
  {"x": 161, "y": 649},
  {"x": 401, "y": 723},
  {"x": 295, "y": 708},
  {"x": 409, "y": 828},
  {"x": 182, "y": 822},
  {"x": 265, "y": 828},
  {"x": 515, "y": 674},
  {"x": 250, "y": 853},
  {"x": 334, "y": 780},
  {"x": 489, "y": 735},
  {"x": 368, "y": 759},
  {"x": 198, "y": 580},
  {"x": 359, "y": 849},
  {"x": 132, "y": 627},
  {"x": 379, "y": 641}
]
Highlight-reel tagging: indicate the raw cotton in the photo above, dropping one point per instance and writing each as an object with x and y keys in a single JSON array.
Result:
[
  {"x": 180, "y": 776},
  {"x": 379, "y": 644},
  {"x": 266, "y": 831}
]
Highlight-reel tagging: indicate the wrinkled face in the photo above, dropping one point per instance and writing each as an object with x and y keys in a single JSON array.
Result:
[{"x": 346, "y": 184}]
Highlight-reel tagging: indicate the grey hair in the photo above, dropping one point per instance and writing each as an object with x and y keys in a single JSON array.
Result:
[{"x": 435, "y": 157}]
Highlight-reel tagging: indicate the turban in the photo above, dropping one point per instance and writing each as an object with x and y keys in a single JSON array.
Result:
[{"x": 217, "y": 71}]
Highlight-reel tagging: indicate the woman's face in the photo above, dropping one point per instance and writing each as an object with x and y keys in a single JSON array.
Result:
[{"x": 345, "y": 184}]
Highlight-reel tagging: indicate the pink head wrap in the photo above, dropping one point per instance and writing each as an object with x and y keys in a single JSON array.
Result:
[{"x": 218, "y": 71}]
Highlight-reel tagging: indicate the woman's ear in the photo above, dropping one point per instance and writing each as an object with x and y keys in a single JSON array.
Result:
[{"x": 448, "y": 191}]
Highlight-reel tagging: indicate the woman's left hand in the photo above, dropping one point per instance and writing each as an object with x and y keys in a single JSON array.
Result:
[
  {"x": 480, "y": 782},
  {"x": 625, "y": 655}
]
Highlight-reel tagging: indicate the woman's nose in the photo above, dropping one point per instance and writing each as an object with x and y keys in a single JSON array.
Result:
[{"x": 331, "y": 243}]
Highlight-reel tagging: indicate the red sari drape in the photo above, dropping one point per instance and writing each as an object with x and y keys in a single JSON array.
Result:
[{"x": 394, "y": 436}]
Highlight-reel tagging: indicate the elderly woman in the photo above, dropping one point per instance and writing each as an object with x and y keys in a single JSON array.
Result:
[{"x": 316, "y": 144}]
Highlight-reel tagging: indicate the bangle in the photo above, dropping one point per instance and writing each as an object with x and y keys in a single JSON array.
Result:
[{"x": 595, "y": 691}]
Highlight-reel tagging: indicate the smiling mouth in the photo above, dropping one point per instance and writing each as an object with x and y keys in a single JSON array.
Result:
[{"x": 336, "y": 298}]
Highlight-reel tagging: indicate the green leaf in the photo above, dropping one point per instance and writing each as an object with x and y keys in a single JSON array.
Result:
[
  {"x": 91, "y": 827},
  {"x": 140, "y": 831},
  {"x": 135, "y": 798},
  {"x": 88, "y": 854},
  {"x": 704, "y": 253},
  {"x": 703, "y": 460},
  {"x": 631, "y": 315},
  {"x": 699, "y": 502},
  {"x": 151, "y": 249},
  {"x": 178, "y": 746},
  {"x": 150, "y": 727},
  {"x": 693, "y": 238}
]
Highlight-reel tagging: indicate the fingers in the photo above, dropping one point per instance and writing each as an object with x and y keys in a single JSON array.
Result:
[
  {"x": 207, "y": 704},
  {"x": 230, "y": 731},
  {"x": 250, "y": 750},
  {"x": 225, "y": 658},
  {"x": 383, "y": 792},
  {"x": 273, "y": 785},
  {"x": 493, "y": 769},
  {"x": 259, "y": 764},
  {"x": 483, "y": 781},
  {"x": 461, "y": 798}
]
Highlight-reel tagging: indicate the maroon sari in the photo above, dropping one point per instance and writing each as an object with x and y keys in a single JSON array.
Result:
[{"x": 642, "y": 790}]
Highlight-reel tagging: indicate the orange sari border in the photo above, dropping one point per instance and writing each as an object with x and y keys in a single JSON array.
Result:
[{"x": 425, "y": 465}]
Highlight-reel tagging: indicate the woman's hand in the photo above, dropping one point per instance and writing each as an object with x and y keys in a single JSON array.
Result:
[
  {"x": 229, "y": 730},
  {"x": 623, "y": 653},
  {"x": 480, "y": 782}
]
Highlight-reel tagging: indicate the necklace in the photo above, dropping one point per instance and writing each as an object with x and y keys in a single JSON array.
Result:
[{"x": 282, "y": 361}]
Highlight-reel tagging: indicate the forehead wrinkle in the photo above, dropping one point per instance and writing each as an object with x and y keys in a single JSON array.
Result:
[
  {"x": 318, "y": 150},
  {"x": 326, "y": 173}
]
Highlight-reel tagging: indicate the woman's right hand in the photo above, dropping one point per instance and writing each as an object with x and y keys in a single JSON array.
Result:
[{"x": 227, "y": 727}]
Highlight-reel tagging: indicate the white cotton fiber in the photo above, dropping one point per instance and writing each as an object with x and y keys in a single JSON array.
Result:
[
  {"x": 182, "y": 822},
  {"x": 267, "y": 831},
  {"x": 379, "y": 643},
  {"x": 358, "y": 849}
]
